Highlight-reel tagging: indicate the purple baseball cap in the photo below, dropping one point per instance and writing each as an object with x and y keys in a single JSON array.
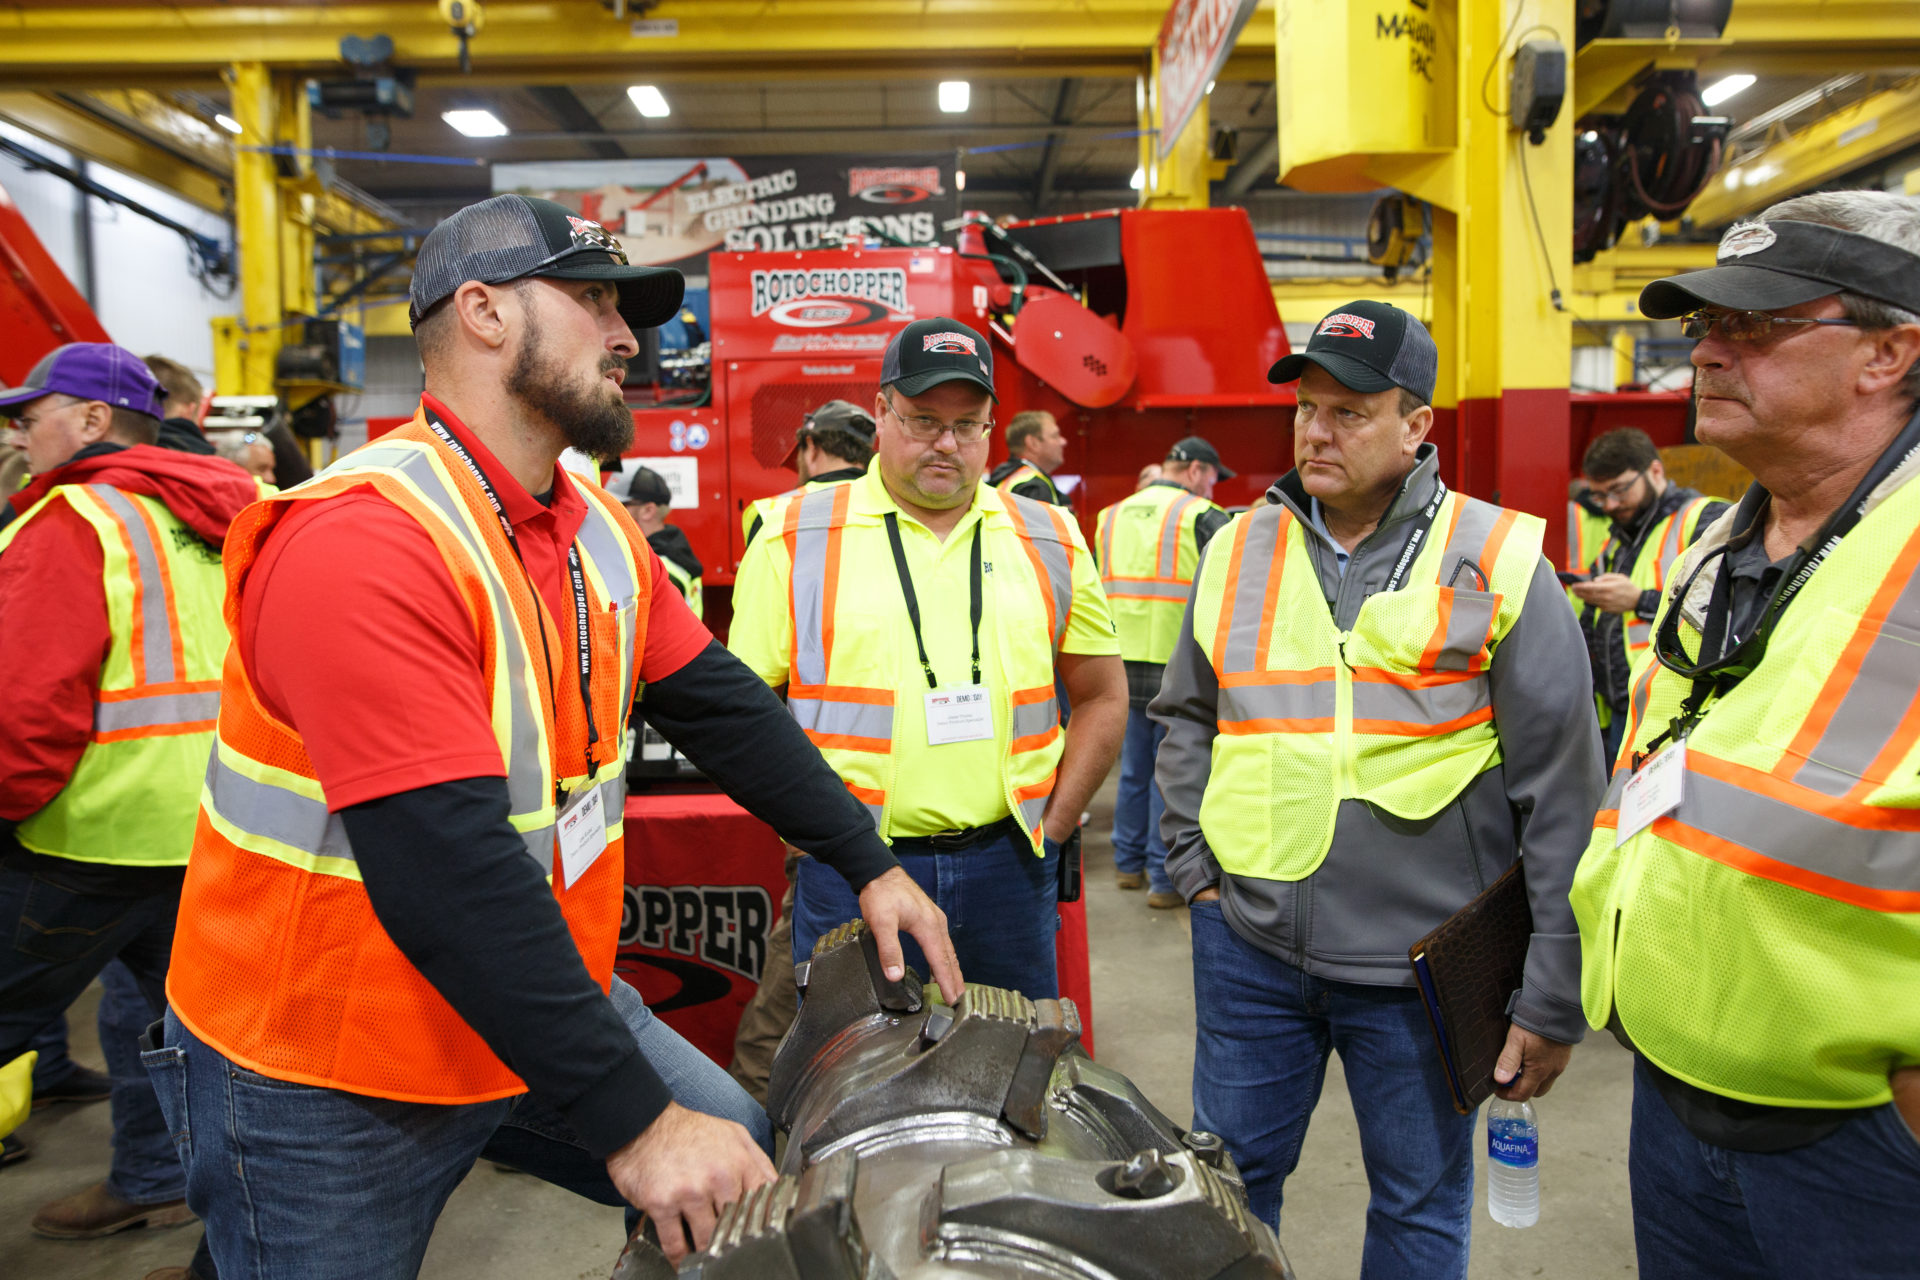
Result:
[{"x": 88, "y": 371}]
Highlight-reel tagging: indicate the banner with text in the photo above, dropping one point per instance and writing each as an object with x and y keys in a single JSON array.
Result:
[{"x": 676, "y": 212}]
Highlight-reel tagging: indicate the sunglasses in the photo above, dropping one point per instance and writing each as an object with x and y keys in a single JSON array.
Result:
[{"x": 1745, "y": 326}]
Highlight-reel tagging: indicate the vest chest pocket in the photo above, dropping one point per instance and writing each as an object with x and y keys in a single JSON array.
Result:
[{"x": 1427, "y": 628}]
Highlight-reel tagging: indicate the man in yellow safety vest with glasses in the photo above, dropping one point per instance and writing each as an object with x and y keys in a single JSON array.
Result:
[
  {"x": 1375, "y": 705},
  {"x": 1149, "y": 546},
  {"x": 917, "y": 619},
  {"x": 1749, "y": 906}
]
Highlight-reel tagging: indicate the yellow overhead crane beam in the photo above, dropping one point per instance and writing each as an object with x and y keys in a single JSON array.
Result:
[
  {"x": 1878, "y": 125},
  {"x": 581, "y": 39}
]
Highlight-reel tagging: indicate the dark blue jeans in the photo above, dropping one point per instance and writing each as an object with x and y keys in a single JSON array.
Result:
[
  {"x": 59, "y": 941},
  {"x": 1263, "y": 1033},
  {"x": 1137, "y": 806},
  {"x": 1002, "y": 906},
  {"x": 302, "y": 1183},
  {"x": 1848, "y": 1205}
]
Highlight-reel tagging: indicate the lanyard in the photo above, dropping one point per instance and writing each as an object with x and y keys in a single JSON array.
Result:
[
  {"x": 582, "y": 627},
  {"x": 1422, "y": 523},
  {"x": 1739, "y": 656},
  {"x": 913, "y": 601}
]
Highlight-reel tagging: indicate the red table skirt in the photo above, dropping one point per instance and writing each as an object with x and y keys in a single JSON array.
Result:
[{"x": 704, "y": 883}]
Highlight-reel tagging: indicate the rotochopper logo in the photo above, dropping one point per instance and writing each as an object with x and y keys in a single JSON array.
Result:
[
  {"x": 831, "y": 299},
  {"x": 1345, "y": 326},
  {"x": 895, "y": 186}
]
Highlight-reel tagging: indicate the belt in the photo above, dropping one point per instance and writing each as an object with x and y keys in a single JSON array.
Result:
[{"x": 965, "y": 838}]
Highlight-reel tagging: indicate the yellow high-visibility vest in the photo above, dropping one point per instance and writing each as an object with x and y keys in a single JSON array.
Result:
[
  {"x": 1761, "y": 940},
  {"x": 689, "y": 584},
  {"x": 1148, "y": 554},
  {"x": 840, "y": 686},
  {"x": 134, "y": 794},
  {"x": 1659, "y": 550},
  {"x": 1397, "y": 712}
]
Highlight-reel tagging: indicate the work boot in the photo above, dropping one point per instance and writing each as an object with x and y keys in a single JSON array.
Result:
[
  {"x": 170, "y": 1273},
  {"x": 84, "y": 1085},
  {"x": 13, "y": 1151},
  {"x": 1165, "y": 898},
  {"x": 96, "y": 1211},
  {"x": 1130, "y": 879}
]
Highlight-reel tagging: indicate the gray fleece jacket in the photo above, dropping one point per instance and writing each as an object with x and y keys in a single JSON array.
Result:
[{"x": 1387, "y": 881}]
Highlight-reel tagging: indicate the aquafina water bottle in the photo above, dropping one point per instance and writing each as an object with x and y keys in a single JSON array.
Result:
[{"x": 1513, "y": 1163}]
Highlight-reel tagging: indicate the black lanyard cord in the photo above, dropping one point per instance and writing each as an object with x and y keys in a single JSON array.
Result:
[
  {"x": 975, "y": 587},
  {"x": 582, "y": 624}
]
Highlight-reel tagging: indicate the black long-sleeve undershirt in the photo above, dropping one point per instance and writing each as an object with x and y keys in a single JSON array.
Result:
[{"x": 451, "y": 883}]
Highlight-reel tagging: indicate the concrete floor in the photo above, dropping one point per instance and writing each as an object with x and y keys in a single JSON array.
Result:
[{"x": 515, "y": 1228}]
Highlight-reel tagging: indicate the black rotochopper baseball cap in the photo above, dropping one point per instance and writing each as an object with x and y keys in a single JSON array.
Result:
[
  {"x": 1763, "y": 266},
  {"x": 511, "y": 236},
  {"x": 929, "y": 352},
  {"x": 1198, "y": 449},
  {"x": 1367, "y": 347}
]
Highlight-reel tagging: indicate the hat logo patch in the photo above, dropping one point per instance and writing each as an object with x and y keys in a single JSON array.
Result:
[
  {"x": 1741, "y": 241},
  {"x": 949, "y": 343},
  {"x": 1344, "y": 325}
]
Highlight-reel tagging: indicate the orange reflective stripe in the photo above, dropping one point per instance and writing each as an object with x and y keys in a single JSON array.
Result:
[
  {"x": 1438, "y": 641},
  {"x": 1229, "y": 594}
]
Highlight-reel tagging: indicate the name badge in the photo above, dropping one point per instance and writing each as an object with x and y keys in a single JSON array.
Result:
[
  {"x": 962, "y": 714},
  {"x": 583, "y": 835},
  {"x": 1655, "y": 788}
]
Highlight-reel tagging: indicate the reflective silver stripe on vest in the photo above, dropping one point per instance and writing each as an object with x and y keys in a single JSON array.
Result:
[
  {"x": 1468, "y": 544},
  {"x": 1436, "y": 705},
  {"x": 527, "y": 779},
  {"x": 284, "y": 816},
  {"x": 1032, "y": 810},
  {"x": 1639, "y": 634},
  {"x": 301, "y": 822},
  {"x": 1030, "y": 718},
  {"x": 1616, "y": 787},
  {"x": 1032, "y": 516},
  {"x": 851, "y": 719},
  {"x": 1469, "y": 622},
  {"x": 1170, "y": 535},
  {"x": 1670, "y": 544},
  {"x": 1261, "y": 553},
  {"x": 155, "y": 711},
  {"x": 613, "y": 798},
  {"x": 1874, "y": 859},
  {"x": 608, "y": 549},
  {"x": 156, "y": 627},
  {"x": 1870, "y": 712},
  {"x": 1158, "y": 590},
  {"x": 1243, "y": 702},
  {"x": 809, "y": 585}
]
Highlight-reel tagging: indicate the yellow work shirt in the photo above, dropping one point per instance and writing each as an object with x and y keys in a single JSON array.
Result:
[{"x": 958, "y": 784}]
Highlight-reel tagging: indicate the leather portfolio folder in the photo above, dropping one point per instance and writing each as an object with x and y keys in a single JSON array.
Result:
[{"x": 1468, "y": 970}]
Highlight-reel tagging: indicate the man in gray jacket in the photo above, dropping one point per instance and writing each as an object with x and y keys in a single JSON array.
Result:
[{"x": 1377, "y": 702}]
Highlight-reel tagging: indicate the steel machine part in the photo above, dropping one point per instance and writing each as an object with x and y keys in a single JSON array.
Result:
[{"x": 932, "y": 1143}]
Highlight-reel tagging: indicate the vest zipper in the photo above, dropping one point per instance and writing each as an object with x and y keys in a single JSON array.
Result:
[{"x": 1344, "y": 776}]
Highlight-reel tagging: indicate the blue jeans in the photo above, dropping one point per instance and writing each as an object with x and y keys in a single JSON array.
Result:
[
  {"x": 1002, "y": 906},
  {"x": 1843, "y": 1206},
  {"x": 60, "y": 941},
  {"x": 302, "y": 1183},
  {"x": 1263, "y": 1032},
  {"x": 1138, "y": 806},
  {"x": 54, "y": 1065}
]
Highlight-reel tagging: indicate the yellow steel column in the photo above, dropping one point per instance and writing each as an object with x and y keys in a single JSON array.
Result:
[
  {"x": 251, "y": 345},
  {"x": 1177, "y": 180},
  {"x": 293, "y": 127},
  {"x": 1625, "y": 347}
]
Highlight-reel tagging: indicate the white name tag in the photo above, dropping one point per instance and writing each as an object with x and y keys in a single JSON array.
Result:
[
  {"x": 583, "y": 835},
  {"x": 1654, "y": 790},
  {"x": 962, "y": 714}
]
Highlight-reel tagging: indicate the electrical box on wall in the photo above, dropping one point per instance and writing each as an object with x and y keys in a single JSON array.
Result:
[{"x": 1538, "y": 87}]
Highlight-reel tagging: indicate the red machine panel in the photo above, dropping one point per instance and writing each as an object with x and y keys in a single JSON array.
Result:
[{"x": 39, "y": 307}]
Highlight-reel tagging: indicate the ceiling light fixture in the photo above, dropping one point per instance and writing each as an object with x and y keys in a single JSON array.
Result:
[
  {"x": 476, "y": 123},
  {"x": 226, "y": 122},
  {"x": 954, "y": 95},
  {"x": 1720, "y": 90},
  {"x": 1139, "y": 179},
  {"x": 959, "y": 179},
  {"x": 649, "y": 101}
]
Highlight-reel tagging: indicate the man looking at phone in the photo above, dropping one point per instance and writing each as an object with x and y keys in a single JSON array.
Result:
[{"x": 1654, "y": 520}]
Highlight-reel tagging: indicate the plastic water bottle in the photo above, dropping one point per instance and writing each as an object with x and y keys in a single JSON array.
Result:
[{"x": 1513, "y": 1163}]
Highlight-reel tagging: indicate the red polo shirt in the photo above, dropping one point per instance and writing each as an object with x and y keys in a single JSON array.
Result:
[{"x": 354, "y": 634}]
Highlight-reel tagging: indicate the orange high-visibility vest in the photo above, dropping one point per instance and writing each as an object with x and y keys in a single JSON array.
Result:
[{"x": 278, "y": 961}]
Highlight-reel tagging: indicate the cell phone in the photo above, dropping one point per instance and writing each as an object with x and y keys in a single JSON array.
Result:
[{"x": 1568, "y": 579}]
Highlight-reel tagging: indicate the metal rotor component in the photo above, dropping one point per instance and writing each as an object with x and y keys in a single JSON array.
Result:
[{"x": 933, "y": 1143}]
